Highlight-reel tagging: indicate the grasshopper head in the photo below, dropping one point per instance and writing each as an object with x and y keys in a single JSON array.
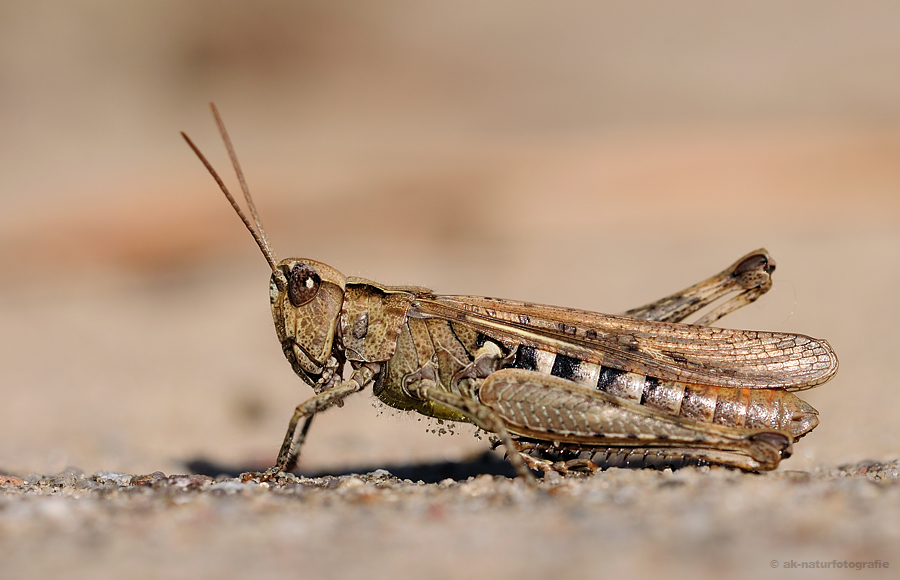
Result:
[
  {"x": 306, "y": 298},
  {"x": 306, "y": 295}
]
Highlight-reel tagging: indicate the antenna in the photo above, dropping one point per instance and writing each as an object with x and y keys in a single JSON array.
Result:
[
  {"x": 259, "y": 234},
  {"x": 240, "y": 176}
]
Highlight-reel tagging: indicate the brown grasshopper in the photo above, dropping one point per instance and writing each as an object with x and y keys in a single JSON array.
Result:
[{"x": 560, "y": 388}]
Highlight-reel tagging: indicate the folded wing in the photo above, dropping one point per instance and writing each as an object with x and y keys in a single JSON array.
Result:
[{"x": 668, "y": 351}]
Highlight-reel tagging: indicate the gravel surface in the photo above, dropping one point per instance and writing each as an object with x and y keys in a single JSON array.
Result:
[{"x": 705, "y": 521}]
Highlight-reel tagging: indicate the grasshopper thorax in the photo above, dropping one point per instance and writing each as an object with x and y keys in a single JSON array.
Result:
[{"x": 306, "y": 298}]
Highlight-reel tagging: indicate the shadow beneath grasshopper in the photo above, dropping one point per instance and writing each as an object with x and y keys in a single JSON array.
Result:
[{"x": 486, "y": 463}]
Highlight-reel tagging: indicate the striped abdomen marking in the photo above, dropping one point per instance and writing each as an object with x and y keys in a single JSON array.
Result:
[
  {"x": 532, "y": 359},
  {"x": 750, "y": 408},
  {"x": 731, "y": 407}
]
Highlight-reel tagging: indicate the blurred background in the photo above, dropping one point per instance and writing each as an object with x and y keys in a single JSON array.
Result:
[{"x": 596, "y": 155}]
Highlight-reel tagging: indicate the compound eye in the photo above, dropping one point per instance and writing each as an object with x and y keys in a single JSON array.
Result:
[{"x": 303, "y": 284}]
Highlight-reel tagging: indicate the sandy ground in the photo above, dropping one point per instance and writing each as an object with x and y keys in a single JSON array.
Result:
[
  {"x": 691, "y": 522},
  {"x": 596, "y": 157}
]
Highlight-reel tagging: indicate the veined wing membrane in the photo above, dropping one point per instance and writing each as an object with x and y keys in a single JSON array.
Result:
[{"x": 667, "y": 351}]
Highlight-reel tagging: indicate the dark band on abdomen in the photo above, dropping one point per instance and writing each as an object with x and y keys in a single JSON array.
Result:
[
  {"x": 525, "y": 358},
  {"x": 565, "y": 367}
]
